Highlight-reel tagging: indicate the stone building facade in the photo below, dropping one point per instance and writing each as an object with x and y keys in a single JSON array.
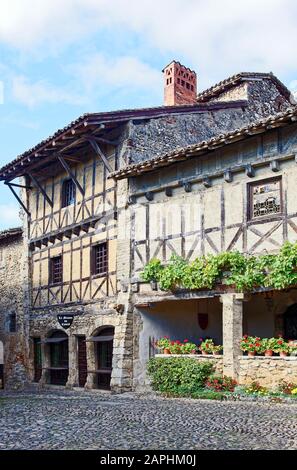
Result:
[
  {"x": 13, "y": 310},
  {"x": 233, "y": 192},
  {"x": 87, "y": 225}
]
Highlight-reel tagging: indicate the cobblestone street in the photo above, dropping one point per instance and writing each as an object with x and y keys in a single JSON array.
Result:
[{"x": 98, "y": 420}]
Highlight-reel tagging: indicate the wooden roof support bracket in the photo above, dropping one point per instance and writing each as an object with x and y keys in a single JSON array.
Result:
[
  {"x": 18, "y": 198},
  {"x": 38, "y": 186},
  {"x": 71, "y": 174},
  {"x": 99, "y": 152}
]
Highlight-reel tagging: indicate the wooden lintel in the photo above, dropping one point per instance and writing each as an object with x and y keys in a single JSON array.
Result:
[
  {"x": 99, "y": 152},
  {"x": 38, "y": 185},
  {"x": 71, "y": 174}
]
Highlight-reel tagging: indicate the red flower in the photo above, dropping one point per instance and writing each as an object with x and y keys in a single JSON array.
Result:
[
  {"x": 279, "y": 342},
  {"x": 172, "y": 342},
  {"x": 186, "y": 340}
]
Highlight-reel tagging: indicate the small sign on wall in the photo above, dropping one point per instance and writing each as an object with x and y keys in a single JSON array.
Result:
[{"x": 65, "y": 320}]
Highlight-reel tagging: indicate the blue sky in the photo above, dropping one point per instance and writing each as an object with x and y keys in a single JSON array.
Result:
[{"x": 59, "y": 59}]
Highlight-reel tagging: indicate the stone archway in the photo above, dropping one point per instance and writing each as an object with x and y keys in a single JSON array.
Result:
[
  {"x": 1, "y": 364},
  {"x": 290, "y": 323}
]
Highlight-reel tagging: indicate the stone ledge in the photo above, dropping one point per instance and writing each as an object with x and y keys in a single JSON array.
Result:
[
  {"x": 193, "y": 356},
  {"x": 269, "y": 358}
]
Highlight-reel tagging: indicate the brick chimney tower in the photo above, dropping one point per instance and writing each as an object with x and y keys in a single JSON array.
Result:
[{"x": 180, "y": 85}]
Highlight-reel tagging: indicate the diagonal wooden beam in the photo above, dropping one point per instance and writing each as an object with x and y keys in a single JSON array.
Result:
[
  {"x": 99, "y": 152},
  {"x": 38, "y": 185},
  {"x": 71, "y": 174},
  {"x": 18, "y": 198}
]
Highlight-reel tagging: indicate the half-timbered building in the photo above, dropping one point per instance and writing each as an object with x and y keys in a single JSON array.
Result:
[
  {"x": 233, "y": 192},
  {"x": 95, "y": 198}
]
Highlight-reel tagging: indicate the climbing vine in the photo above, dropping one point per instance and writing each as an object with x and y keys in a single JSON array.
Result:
[{"x": 235, "y": 269}]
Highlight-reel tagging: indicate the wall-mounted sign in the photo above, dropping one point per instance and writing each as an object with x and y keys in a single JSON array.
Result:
[{"x": 65, "y": 320}]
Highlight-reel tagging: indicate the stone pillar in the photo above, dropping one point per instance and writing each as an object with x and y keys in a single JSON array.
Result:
[
  {"x": 232, "y": 333},
  {"x": 91, "y": 362},
  {"x": 45, "y": 361},
  {"x": 122, "y": 361},
  {"x": 72, "y": 380}
]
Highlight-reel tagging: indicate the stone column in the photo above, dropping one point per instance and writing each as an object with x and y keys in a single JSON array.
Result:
[
  {"x": 122, "y": 361},
  {"x": 232, "y": 332},
  {"x": 72, "y": 380},
  {"x": 91, "y": 363}
]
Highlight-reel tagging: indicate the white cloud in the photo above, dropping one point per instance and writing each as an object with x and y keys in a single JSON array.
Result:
[
  {"x": 9, "y": 216},
  {"x": 41, "y": 92},
  {"x": 123, "y": 72},
  {"x": 216, "y": 37}
]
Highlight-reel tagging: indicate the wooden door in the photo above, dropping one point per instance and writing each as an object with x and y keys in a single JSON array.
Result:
[{"x": 82, "y": 360}]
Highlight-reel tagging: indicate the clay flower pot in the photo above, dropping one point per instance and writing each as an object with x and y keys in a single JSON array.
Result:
[
  {"x": 283, "y": 354},
  {"x": 268, "y": 352},
  {"x": 166, "y": 351},
  {"x": 251, "y": 353},
  {"x": 204, "y": 353}
]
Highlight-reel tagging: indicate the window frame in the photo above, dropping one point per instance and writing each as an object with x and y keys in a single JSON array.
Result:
[
  {"x": 93, "y": 259},
  {"x": 63, "y": 193},
  {"x": 260, "y": 182},
  {"x": 51, "y": 279}
]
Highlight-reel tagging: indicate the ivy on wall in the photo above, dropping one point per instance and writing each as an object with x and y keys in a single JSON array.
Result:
[{"x": 243, "y": 272}]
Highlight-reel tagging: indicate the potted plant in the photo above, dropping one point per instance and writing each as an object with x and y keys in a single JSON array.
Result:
[
  {"x": 217, "y": 349},
  {"x": 163, "y": 344},
  {"x": 206, "y": 347},
  {"x": 251, "y": 345},
  {"x": 281, "y": 346},
  {"x": 188, "y": 348},
  {"x": 175, "y": 347},
  {"x": 268, "y": 345}
]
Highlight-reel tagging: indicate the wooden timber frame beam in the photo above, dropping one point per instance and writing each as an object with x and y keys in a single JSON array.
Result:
[
  {"x": 38, "y": 185},
  {"x": 70, "y": 173},
  {"x": 99, "y": 152},
  {"x": 10, "y": 185}
]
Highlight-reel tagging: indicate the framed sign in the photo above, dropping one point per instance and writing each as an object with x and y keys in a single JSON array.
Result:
[{"x": 65, "y": 320}]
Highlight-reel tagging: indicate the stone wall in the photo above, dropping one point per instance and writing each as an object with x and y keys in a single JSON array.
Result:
[
  {"x": 154, "y": 137},
  {"x": 12, "y": 304},
  {"x": 268, "y": 371}
]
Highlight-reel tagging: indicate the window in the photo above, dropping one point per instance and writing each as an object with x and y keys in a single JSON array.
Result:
[
  {"x": 265, "y": 198},
  {"x": 12, "y": 323},
  {"x": 56, "y": 270},
  {"x": 68, "y": 193},
  {"x": 99, "y": 261}
]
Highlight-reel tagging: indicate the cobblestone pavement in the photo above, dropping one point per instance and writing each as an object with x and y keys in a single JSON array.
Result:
[{"x": 98, "y": 420}]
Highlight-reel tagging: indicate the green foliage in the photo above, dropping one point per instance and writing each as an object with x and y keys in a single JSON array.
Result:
[
  {"x": 230, "y": 268},
  {"x": 168, "y": 375}
]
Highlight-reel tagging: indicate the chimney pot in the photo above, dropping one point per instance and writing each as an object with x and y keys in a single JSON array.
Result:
[{"x": 180, "y": 85}]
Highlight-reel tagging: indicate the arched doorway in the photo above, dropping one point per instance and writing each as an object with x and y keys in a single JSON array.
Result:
[
  {"x": 103, "y": 342},
  {"x": 1, "y": 365},
  {"x": 290, "y": 322},
  {"x": 58, "y": 354}
]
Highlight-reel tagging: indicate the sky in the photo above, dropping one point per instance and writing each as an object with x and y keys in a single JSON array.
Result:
[{"x": 62, "y": 58}]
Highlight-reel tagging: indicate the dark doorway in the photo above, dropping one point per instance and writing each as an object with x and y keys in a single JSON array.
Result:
[
  {"x": 58, "y": 344},
  {"x": 104, "y": 348},
  {"x": 37, "y": 359},
  {"x": 82, "y": 360},
  {"x": 290, "y": 323}
]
